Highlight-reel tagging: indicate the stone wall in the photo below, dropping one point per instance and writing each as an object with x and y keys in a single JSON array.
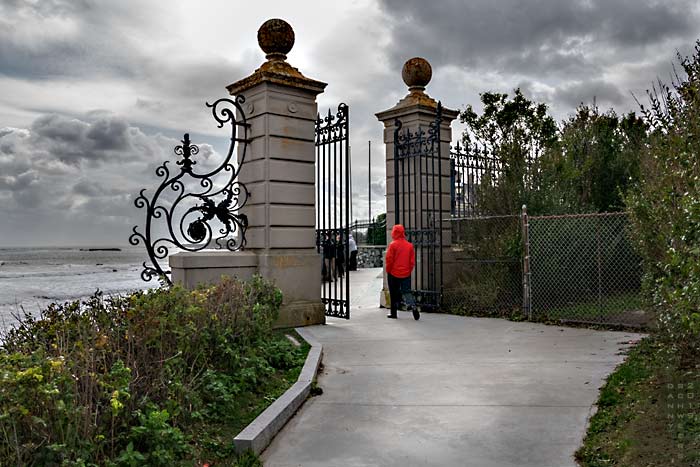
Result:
[{"x": 370, "y": 256}]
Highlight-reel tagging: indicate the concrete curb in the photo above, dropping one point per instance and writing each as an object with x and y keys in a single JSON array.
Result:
[{"x": 260, "y": 432}]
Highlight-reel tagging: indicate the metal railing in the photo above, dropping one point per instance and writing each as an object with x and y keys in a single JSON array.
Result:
[
  {"x": 369, "y": 232},
  {"x": 483, "y": 183},
  {"x": 470, "y": 168}
]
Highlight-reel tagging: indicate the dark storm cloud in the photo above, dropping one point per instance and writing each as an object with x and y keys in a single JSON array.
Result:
[
  {"x": 88, "y": 40},
  {"x": 87, "y": 43},
  {"x": 72, "y": 141},
  {"x": 18, "y": 181},
  {"x": 557, "y": 63},
  {"x": 109, "y": 134},
  {"x": 89, "y": 188},
  {"x": 46, "y": 8},
  {"x": 53, "y": 38},
  {"x": 59, "y": 157},
  {"x": 58, "y": 128},
  {"x": 605, "y": 94},
  {"x": 561, "y": 52},
  {"x": 484, "y": 31}
]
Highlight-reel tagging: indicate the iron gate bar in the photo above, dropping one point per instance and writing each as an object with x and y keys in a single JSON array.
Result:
[{"x": 333, "y": 205}]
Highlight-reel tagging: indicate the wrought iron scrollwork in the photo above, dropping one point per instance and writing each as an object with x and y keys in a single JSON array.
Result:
[
  {"x": 186, "y": 203},
  {"x": 415, "y": 143},
  {"x": 332, "y": 128}
]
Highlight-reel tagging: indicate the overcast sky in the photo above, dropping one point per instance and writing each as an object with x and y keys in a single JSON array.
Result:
[{"x": 95, "y": 94}]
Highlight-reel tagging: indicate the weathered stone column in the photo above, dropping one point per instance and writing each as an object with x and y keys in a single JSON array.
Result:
[
  {"x": 279, "y": 172},
  {"x": 417, "y": 111}
]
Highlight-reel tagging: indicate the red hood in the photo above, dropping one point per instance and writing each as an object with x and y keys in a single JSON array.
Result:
[{"x": 398, "y": 232}]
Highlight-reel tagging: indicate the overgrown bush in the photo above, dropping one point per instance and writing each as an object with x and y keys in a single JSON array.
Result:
[
  {"x": 488, "y": 267},
  {"x": 585, "y": 164},
  {"x": 376, "y": 232},
  {"x": 517, "y": 132},
  {"x": 490, "y": 290},
  {"x": 140, "y": 380},
  {"x": 665, "y": 207}
]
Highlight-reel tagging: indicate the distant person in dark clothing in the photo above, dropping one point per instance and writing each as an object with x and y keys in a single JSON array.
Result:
[
  {"x": 340, "y": 256},
  {"x": 329, "y": 269},
  {"x": 400, "y": 261},
  {"x": 352, "y": 264}
]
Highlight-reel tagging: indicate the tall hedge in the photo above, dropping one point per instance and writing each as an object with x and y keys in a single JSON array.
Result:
[{"x": 665, "y": 206}]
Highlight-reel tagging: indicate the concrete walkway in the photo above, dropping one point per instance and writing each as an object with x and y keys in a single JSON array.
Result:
[{"x": 446, "y": 390}]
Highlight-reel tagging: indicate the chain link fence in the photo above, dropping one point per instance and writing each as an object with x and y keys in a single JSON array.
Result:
[
  {"x": 583, "y": 268},
  {"x": 571, "y": 268},
  {"x": 487, "y": 270}
]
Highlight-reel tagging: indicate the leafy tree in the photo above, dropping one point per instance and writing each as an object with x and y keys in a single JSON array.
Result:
[
  {"x": 665, "y": 207},
  {"x": 596, "y": 159},
  {"x": 510, "y": 127},
  {"x": 584, "y": 165},
  {"x": 376, "y": 232},
  {"x": 516, "y": 132}
]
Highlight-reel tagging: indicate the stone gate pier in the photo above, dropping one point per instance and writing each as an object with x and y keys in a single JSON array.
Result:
[
  {"x": 416, "y": 112},
  {"x": 280, "y": 106}
]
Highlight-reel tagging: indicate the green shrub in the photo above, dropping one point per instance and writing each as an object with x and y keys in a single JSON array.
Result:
[
  {"x": 488, "y": 267},
  {"x": 665, "y": 208},
  {"x": 376, "y": 232},
  {"x": 141, "y": 379}
]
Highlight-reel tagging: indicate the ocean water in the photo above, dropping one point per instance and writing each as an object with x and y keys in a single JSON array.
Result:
[{"x": 32, "y": 278}]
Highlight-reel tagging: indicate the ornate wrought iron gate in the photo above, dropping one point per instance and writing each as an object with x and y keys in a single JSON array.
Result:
[
  {"x": 418, "y": 205},
  {"x": 333, "y": 209},
  {"x": 195, "y": 209}
]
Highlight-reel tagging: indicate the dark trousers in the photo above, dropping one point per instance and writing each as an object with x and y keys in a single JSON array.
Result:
[
  {"x": 340, "y": 266},
  {"x": 396, "y": 287},
  {"x": 353, "y": 261},
  {"x": 328, "y": 270}
]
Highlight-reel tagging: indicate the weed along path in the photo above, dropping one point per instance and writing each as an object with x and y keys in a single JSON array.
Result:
[{"x": 446, "y": 390}]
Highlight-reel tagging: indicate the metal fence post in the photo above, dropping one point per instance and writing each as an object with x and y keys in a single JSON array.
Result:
[
  {"x": 600, "y": 273},
  {"x": 527, "y": 305}
]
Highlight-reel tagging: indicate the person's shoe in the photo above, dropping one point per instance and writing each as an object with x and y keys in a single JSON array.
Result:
[
  {"x": 416, "y": 314},
  {"x": 391, "y": 316}
]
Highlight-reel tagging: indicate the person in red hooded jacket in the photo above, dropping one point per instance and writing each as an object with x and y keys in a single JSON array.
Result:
[{"x": 400, "y": 261}]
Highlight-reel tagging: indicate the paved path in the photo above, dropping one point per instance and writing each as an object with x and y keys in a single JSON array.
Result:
[{"x": 446, "y": 391}]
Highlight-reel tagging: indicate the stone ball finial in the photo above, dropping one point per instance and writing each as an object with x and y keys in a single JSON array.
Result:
[
  {"x": 276, "y": 38},
  {"x": 416, "y": 73}
]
